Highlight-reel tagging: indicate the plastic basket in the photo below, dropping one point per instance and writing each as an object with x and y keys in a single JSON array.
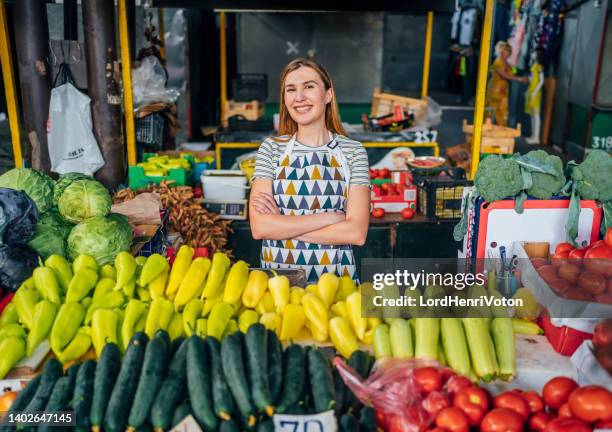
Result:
[
  {"x": 150, "y": 129},
  {"x": 440, "y": 197}
]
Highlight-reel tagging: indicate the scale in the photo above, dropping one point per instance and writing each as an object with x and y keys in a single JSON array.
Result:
[{"x": 227, "y": 209}]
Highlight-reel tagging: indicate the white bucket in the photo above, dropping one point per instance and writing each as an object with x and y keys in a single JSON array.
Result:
[{"x": 224, "y": 185}]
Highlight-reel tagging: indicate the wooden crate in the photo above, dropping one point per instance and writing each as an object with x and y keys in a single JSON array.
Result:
[
  {"x": 495, "y": 139},
  {"x": 382, "y": 104},
  {"x": 253, "y": 110}
]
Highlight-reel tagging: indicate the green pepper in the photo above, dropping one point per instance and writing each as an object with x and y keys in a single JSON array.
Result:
[
  {"x": 155, "y": 265},
  {"x": 44, "y": 315},
  {"x": 9, "y": 315},
  {"x": 104, "y": 329},
  {"x": 175, "y": 328},
  {"x": 125, "y": 264},
  {"x": 62, "y": 270},
  {"x": 219, "y": 318},
  {"x": 109, "y": 300},
  {"x": 78, "y": 346},
  {"x": 13, "y": 329},
  {"x": 142, "y": 321},
  {"x": 25, "y": 300},
  {"x": 108, "y": 271},
  {"x": 143, "y": 294},
  {"x": 129, "y": 288},
  {"x": 83, "y": 281},
  {"x": 104, "y": 285},
  {"x": 67, "y": 322},
  {"x": 191, "y": 313},
  {"x": 13, "y": 349},
  {"x": 28, "y": 283},
  {"x": 86, "y": 302},
  {"x": 201, "y": 327},
  {"x": 134, "y": 310},
  {"x": 46, "y": 284},
  {"x": 84, "y": 261},
  {"x": 159, "y": 317}
]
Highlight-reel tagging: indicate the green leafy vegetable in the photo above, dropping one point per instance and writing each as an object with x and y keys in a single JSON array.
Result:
[
  {"x": 48, "y": 241},
  {"x": 593, "y": 177},
  {"x": 102, "y": 237},
  {"x": 64, "y": 181},
  {"x": 35, "y": 184},
  {"x": 53, "y": 219},
  {"x": 84, "y": 199},
  {"x": 498, "y": 178},
  {"x": 546, "y": 172}
]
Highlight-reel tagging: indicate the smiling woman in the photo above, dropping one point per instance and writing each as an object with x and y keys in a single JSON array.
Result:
[{"x": 310, "y": 198}]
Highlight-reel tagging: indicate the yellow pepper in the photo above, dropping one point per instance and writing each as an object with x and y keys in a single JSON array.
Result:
[
  {"x": 342, "y": 337},
  {"x": 133, "y": 312},
  {"x": 84, "y": 261},
  {"x": 61, "y": 268},
  {"x": 209, "y": 303},
  {"x": 340, "y": 309},
  {"x": 125, "y": 263},
  {"x": 220, "y": 316},
  {"x": 327, "y": 285},
  {"x": 104, "y": 329},
  {"x": 232, "y": 327},
  {"x": 256, "y": 286},
  {"x": 78, "y": 346},
  {"x": 247, "y": 319},
  {"x": 296, "y": 295},
  {"x": 312, "y": 289},
  {"x": 46, "y": 284},
  {"x": 104, "y": 285},
  {"x": 83, "y": 281},
  {"x": 175, "y": 327},
  {"x": 373, "y": 322},
  {"x": 157, "y": 286},
  {"x": 192, "y": 281},
  {"x": 180, "y": 266},
  {"x": 315, "y": 334},
  {"x": 143, "y": 294},
  {"x": 220, "y": 264},
  {"x": 294, "y": 319},
  {"x": 368, "y": 338},
  {"x": 155, "y": 265},
  {"x": 358, "y": 323},
  {"x": 201, "y": 327},
  {"x": 108, "y": 271},
  {"x": 191, "y": 313},
  {"x": 346, "y": 288},
  {"x": 270, "y": 320},
  {"x": 280, "y": 287},
  {"x": 266, "y": 304},
  {"x": 159, "y": 316},
  {"x": 236, "y": 282},
  {"x": 316, "y": 312}
]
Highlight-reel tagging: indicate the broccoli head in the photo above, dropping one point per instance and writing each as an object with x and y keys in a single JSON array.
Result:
[
  {"x": 546, "y": 185},
  {"x": 498, "y": 178},
  {"x": 593, "y": 177}
]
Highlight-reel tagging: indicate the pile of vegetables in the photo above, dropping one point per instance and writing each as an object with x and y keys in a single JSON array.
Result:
[{"x": 232, "y": 385}]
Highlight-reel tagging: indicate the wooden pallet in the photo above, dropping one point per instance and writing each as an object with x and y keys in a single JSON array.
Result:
[
  {"x": 495, "y": 138},
  {"x": 382, "y": 104}
]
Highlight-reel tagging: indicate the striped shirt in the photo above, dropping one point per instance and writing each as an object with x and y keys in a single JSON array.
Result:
[{"x": 271, "y": 150}]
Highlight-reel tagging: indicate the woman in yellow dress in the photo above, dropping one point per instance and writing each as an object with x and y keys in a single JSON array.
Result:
[{"x": 498, "y": 88}]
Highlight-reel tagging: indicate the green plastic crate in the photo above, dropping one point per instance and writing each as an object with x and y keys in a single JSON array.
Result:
[{"x": 138, "y": 179}]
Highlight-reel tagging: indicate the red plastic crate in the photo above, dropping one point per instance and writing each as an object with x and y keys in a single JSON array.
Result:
[
  {"x": 395, "y": 203},
  {"x": 564, "y": 340}
]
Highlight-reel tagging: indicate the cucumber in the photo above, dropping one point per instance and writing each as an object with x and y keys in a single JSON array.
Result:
[
  {"x": 321, "y": 381},
  {"x": 73, "y": 371},
  {"x": 176, "y": 344},
  {"x": 52, "y": 371},
  {"x": 265, "y": 426},
  {"x": 360, "y": 362},
  {"x": 348, "y": 423},
  {"x": 172, "y": 390},
  {"x": 229, "y": 426},
  {"x": 198, "y": 383},
  {"x": 181, "y": 412},
  {"x": 81, "y": 400},
  {"x": 104, "y": 381},
  {"x": 275, "y": 366},
  {"x": 235, "y": 376},
  {"x": 163, "y": 336},
  {"x": 151, "y": 376},
  {"x": 223, "y": 403},
  {"x": 121, "y": 398},
  {"x": 297, "y": 409},
  {"x": 22, "y": 400},
  {"x": 256, "y": 344},
  {"x": 340, "y": 391},
  {"x": 294, "y": 377},
  {"x": 59, "y": 399},
  {"x": 367, "y": 420}
]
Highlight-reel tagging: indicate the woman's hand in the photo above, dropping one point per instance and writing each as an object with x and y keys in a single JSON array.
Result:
[{"x": 265, "y": 204}]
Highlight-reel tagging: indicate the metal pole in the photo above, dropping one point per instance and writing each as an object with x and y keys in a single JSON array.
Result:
[
  {"x": 99, "y": 27},
  {"x": 130, "y": 9},
  {"x": 126, "y": 73},
  {"x": 32, "y": 45},
  {"x": 9, "y": 86},
  {"x": 481, "y": 84},
  {"x": 70, "y": 20},
  {"x": 427, "y": 61},
  {"x": 223, "y": 55},
  {"x": 161, "y": 32}
]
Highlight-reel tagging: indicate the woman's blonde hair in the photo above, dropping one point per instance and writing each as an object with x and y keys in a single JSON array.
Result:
[
  {"x": 288, "y": 126},
  {"x": 502, "y": 45}
]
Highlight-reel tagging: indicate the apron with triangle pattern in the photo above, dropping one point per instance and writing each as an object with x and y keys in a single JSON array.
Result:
[{"x": 315, "y": 182}]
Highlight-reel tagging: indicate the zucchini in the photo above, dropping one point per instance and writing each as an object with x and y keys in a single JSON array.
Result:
[
  {"x": 256, "y": 343},
  {"x": 367, "y": 420},
  {"x": 348, "y": 423},
  {"x": 176, "y": 344},
  {"x": 321, "y": 381},
  {"x": 294, "y": 377},
  {"x": 233, "y": 370},
  {"x": 121, "y": 398},
  {"x": 59, "y": 399},
  {"x": 52, "y": 371},
  {"x": 275, "y": 366},
  {"x": 172, "y": 390},
  {"x": 266, "y": 426},
  {"x": 297, "y": 409},
  {"x": 229, "y": 426},
  {"x": 151, "y": 376},
  {"x": 81, "y": 400},
  {"x": 181, "y": 412},
  {"x": 22, "y": 400},
  {"x": 222, "y": 399},
  {"x": 198, "y": 383},
  {"x": 360, "y": 362},
  {"x": 106, "y": 375}
]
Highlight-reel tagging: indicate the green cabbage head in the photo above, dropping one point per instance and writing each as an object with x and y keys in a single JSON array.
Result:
[
  {"x": 84, "y": 199},
  {"x": 101, "y": 237},
  {"x": 35, "y": 184},
  {"x": 48, "y": 241},
  {"x": 64, "y": 181}
]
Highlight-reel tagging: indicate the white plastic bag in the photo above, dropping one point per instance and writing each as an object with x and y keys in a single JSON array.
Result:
[
  {"x": 149, "y": 84},
  {"x": 72, "y": 145}
]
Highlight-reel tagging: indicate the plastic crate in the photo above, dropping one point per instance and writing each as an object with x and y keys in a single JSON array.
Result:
[
  {"x": 150, "y": 129},
  {"x": 138, "y": 180},
  {"x": 249, "y": 87},
  {"x": 440, "y": 197}
]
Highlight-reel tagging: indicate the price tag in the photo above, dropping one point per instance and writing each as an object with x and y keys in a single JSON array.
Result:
[
  {"x": 322, "y": 422},
  {"x": 188, "y": 424}
]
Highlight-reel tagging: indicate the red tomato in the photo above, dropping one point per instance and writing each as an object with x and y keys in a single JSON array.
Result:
[
  {"x": 598, "y": 250},
  {"x": 563, "y": 247},
  {"x": 472, "y": 396},
  {"x": 382, "y": 419},
  {"x": 435, "y": 402},
  {"x": 559, "y": 259},
  {"x": 604, "y": 298},
  {"x": 557, "y": 391},
  {"x": 538, "y": 421},
  {"x": 385, "y": 186},
  {"x": 602, "y": 335},
  {"x": 548, "y": 272},
  {"x": 534, "y": 401},
  {"x": 502, "y": 420},
  {"x": 569, "y": 272},
  {"x": 591, "y": 403},
  {"x": 598, "y": 259},
  {"x": 561, "y": 424},
  {"x": 577, "y": 253},
  {"x": 374, "y": 173},
  {"x": 400, "y": 423},
  {"x": 474, "y": 414},
  {"x": 538, "y": 262},
  {"x": 559, "y": 286},
  {"x": 604, "y": 424},
  {"x": 385, "y": 172},
  {"x": 438, "y": 429},
  {"x": 446, "y": 374},
  {"x": 408, "y": 213},
  {"x": 452, "y": 419},
  {"x": 378, "y": 212},
  {"x": 608, "y": 237},
  {"x": 514, "y": 402},
  {"x": 456, "y": 383},
  {"x": 577, "y": 294},
  {"x": 564, "y": 411},
  {"x": 428, "y": 379},
  {"x": 592, "y": 282}
]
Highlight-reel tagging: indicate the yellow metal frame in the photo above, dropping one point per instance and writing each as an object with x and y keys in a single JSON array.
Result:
[
  {"x": 9, "y": 87},
  {"x": 250, "y": 145},
  {"x": 427, "y": 60},
  {"x": 126, "y": 73},
  {"x": 223, "y": 61}
]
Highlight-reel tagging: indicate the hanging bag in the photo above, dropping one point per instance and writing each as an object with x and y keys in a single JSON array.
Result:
[{"x": 72, "y": 145}]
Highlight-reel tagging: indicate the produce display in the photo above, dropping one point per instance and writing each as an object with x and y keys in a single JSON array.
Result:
[{"x": 160, "y": 165}]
